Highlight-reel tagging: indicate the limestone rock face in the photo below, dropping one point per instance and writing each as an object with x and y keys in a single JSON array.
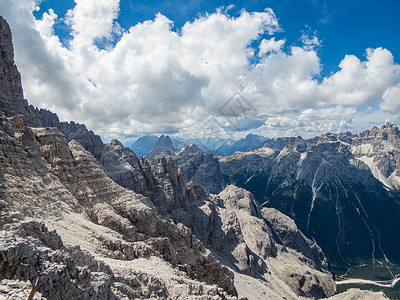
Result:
[
  {"x": 72, "y": 131},
  {"x": 17, "y": 289},
  {"x": 69, "y": 190},
  {"x": 124, "y": 167},
  {"x": 200, "y": 168},
  {"x": 290, "y": 236},
  {"x": 29, "y": 252},
  {"x": 238, "y": 232},
  {"x": 12, "y": 99}
]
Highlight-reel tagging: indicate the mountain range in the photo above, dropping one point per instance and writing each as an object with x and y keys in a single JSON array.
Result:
[
  {"x": 80, "y": 219},
  {"x": 342, "y": 190},
  {"x": 216, "y": 146}
]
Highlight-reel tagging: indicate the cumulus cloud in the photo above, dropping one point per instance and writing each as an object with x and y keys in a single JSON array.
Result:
[
  {"x": 153, "y": 78},
  {"x": 269, "y": 46},
  {"x": 391, "y": 99}
]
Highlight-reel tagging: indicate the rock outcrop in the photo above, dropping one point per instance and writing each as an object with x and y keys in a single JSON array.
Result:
[
  {"x": 232, "y": 224},
  {"x": 163, "y": 147},
  {"x": 66, "y": 188},
  {"x": 201, "y": 168},
  {"x": 72, "y": 131},
  {"x": 12, "y": 99}
]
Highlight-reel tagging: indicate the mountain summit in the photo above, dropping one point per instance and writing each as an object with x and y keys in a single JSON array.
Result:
[{"x": 163, "y": 146}]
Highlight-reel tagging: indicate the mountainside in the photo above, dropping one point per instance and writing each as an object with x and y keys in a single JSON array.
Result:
[
  {"x": 72, "y": 131},
  {"x": 341, "y": 190},
  {"x": 162, "y": 147},
  {"x": 200, "y": 167},
  {"x": 101, "y": 223},
  {"x": 12, "y": 99},
  {"x": 250, "y": 141},
  {"x": 144, "y": 144}
]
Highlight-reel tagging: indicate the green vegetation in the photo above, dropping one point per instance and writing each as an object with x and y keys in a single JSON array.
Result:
[
  {"x": 392, "y": 293},
  {"x": 382, "y": 272}
]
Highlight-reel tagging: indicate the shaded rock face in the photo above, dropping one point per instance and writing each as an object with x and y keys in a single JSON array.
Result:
[
  {"x": 201, "y": 168},
  {"x": 72, "y": 131},
  {"x": 336, "y": 187},
  {"x": 12, "y": 99},
  {"x": 159, "y": 179},
  {"x": 162, "y": 147},
  {"x": 124, "y": 167}
]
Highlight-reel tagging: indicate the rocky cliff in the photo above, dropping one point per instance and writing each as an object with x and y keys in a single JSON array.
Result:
[
  {"x": 72, "y": 131},
  {"x": 67, "y": 189},
  {"x": 201, "y": 168},
  {"x": 12, "y": 99}
]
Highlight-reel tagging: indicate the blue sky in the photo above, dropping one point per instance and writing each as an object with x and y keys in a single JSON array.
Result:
[
  {"x": 127, "y": 68},
  {"x": 343, "y": 26}
]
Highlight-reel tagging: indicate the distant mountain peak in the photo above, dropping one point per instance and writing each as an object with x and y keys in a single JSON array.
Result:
[
  {"x": 144, "y": 144},
  {"x": 164, "y": 141},
  {"x": 163, "y": 146}
]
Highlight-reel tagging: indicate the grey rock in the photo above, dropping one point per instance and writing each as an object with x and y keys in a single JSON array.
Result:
[
  {"x": 79, "y": 184},
  {"x": 201, "y": 168},
  {"x": 162, "y": 147},
  {"x": 11, "y": 96},
  {"x": 72, "y": 131},
  {"x": 238, "y": 232},
  {"x": 29, "y": 252},
  {"x": 17, "y": 289},
  {"x": 123, "y": 166}
]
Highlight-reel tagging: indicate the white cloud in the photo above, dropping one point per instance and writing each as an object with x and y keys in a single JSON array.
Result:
[
  {"x": 156, "y": 79},
  {"x": 91, "y": 19},
  {"x": 360, "y": 82},
  {"x": 309, "y": 39},
  {"x": 268, "y": 46},
  {"x": 391, "y": 99}
]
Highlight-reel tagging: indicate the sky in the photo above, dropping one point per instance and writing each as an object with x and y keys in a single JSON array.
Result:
[{"x": 207, "y": 69}]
